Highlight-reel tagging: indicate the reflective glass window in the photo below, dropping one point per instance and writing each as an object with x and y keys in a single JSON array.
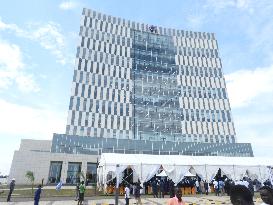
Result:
[
  {"x": 73, "y": 172},
  {"x": 55, "y": 172}
]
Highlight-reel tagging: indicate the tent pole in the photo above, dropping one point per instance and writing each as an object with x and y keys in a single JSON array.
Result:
[
  {"x": 140, "y": 171},
  {"x": 260, "y": 173},
  {"x": 234, "y": 171},
  {"x": 174, "y": 172},
  {"x": 206, "y": 173},
  {"x": 117, "y": 185}
]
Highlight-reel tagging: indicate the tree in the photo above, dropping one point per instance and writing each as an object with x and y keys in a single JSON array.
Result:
[
  {"x": 30, "y": 176},
  {"x": 81, "y": 175}
]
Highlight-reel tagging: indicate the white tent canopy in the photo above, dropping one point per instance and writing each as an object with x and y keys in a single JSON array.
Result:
[
  {"x": 188, "y": 174},
  {"x": 176, "y": 166},
  {"x": 162, "y": 174}
]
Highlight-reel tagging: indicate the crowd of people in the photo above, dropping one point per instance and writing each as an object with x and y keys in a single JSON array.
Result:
[
  {"x": 239, "y": 195},
  {"x": 79, "y": 192},
  {"x": 242, "y": 195},
  {"x": 37, "y": 193},
  {"x": 241, "y": 192},
  {"x": 160, "y": 188}
]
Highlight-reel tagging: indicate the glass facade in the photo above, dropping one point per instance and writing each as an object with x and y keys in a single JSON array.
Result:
[
  {"x": 55, "y": 172},
  {"x": 157, "y": 114},
  {"x": 62, "y": 143},
  {"x": 91, "y": 173},
  {"x": 135, "y": 81},
  {"x": 73, "y": 173},
  {"x": 141, "y": 82}
]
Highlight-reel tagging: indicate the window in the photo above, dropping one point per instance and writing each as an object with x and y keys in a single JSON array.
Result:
[
  {"x": 55, "y": 172},
  {"x": 109, "y": 108},
  {"x": 228, "y": 116},
  {"x": 71, "y": 103},
  {"x": 84, "y": 104},
  {"x": 73, "y": 172},
  {"x": 91, "y": 173},
  {"x": 78, "y": 104},
  {"x": 97, "y": 107}
]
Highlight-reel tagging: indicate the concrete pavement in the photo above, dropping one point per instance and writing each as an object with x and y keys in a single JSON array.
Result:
[{"x": 201, "y": 200}]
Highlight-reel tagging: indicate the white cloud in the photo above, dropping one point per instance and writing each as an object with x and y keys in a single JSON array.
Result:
[
  {"x": 49, "y": 36},
  {"x": 26, "y": 83},
  {"x": 219, "y": 4},
  {"x": 260, "y": 33},
  {"x": 245, "y": 85},
  {"x": 10, "y": 56},
  {"x": 24, "y": 122},
  {"x": 68, "y": 5},
  {"x": 195, "y": 21},
  {"x": 13, "y": 27},
  {"x": 261, "y": 142},
  {"x": 30, "y": 122},
  {"x": 12, "y": 69},
  {"x": 251, "y": 93},
  {"x": 222, "y": 4}
]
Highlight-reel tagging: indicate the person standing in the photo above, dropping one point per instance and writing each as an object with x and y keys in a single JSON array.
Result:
[
  {"x": 206, "y": 186},
  {"x": 77, "y": 190},
  {"x": 227, "y": 186},
  {"x": 171, "y": 189},
  {"x": 216, "y": 187},
  {"x": 11, "y": 189},
  {"x": 154, "y": 189},
  {"x": 127, "y": 194},
  {"x": 197, "y": 186},
  {"x": 240, "y": 195},
  {"x": 202, "y": 187},
  {"x": 266, "y": 194},
  {"x": 161, "y": 188},
  {"x": 221, "y": 187},
  {"x": 166, "y": 186},
  {"x": 133, "y": 187},
  {"x": 145, "y": 187},
  {"x": 250, "y": 185},
  {"x": 81, "y": 194},
  {"x": 177, "y": 200},
  {"x": 37, "y": 194},
  {"x": 137, "y": 194}
]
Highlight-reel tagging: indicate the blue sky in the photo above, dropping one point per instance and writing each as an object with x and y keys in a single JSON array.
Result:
[{"x": 38, "y": 42}]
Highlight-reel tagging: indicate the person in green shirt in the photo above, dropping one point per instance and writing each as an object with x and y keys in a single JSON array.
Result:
[{"x": 81, "y": 194}]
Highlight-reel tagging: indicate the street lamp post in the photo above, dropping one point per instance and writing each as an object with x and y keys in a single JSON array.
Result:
[{"x": 117, "y": 185}]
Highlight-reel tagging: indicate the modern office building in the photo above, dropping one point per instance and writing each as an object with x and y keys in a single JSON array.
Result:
[
  {"x": 138, "y": 81},
  {"x": 140, "y": 88}
]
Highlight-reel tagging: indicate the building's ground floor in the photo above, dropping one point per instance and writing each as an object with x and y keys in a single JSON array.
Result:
[
  {"x": 35, "y": 156},
  {"x": 68, "y": 158}
]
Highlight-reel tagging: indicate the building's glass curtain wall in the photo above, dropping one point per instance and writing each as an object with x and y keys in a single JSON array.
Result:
[
  {"x": 91, "y": 174},
  {"x": 157, "y": 114},
  {"x": 144, "y": 82},
  {"x": 73, "y": 171},
  {"x": 62, "y": 143},
  {"x": 55, "y": 169}
]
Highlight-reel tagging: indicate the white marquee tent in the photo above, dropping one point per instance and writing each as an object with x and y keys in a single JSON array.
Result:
[
  {"x": 176, "y": 166},
  {"x": 162, "y": 174}
]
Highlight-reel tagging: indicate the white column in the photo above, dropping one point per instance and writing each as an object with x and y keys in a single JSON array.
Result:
[
  {"x": 84, "y": 168},
  {"x": 64, "y": 171}
]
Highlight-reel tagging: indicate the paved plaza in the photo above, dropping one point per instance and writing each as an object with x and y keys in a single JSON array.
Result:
[{"x": 201, "y": 200}]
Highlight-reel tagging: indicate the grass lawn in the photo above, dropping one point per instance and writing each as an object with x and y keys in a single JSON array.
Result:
[
  {"x": 48, "y": 193},
  {"x": 90, "y": 192}
]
